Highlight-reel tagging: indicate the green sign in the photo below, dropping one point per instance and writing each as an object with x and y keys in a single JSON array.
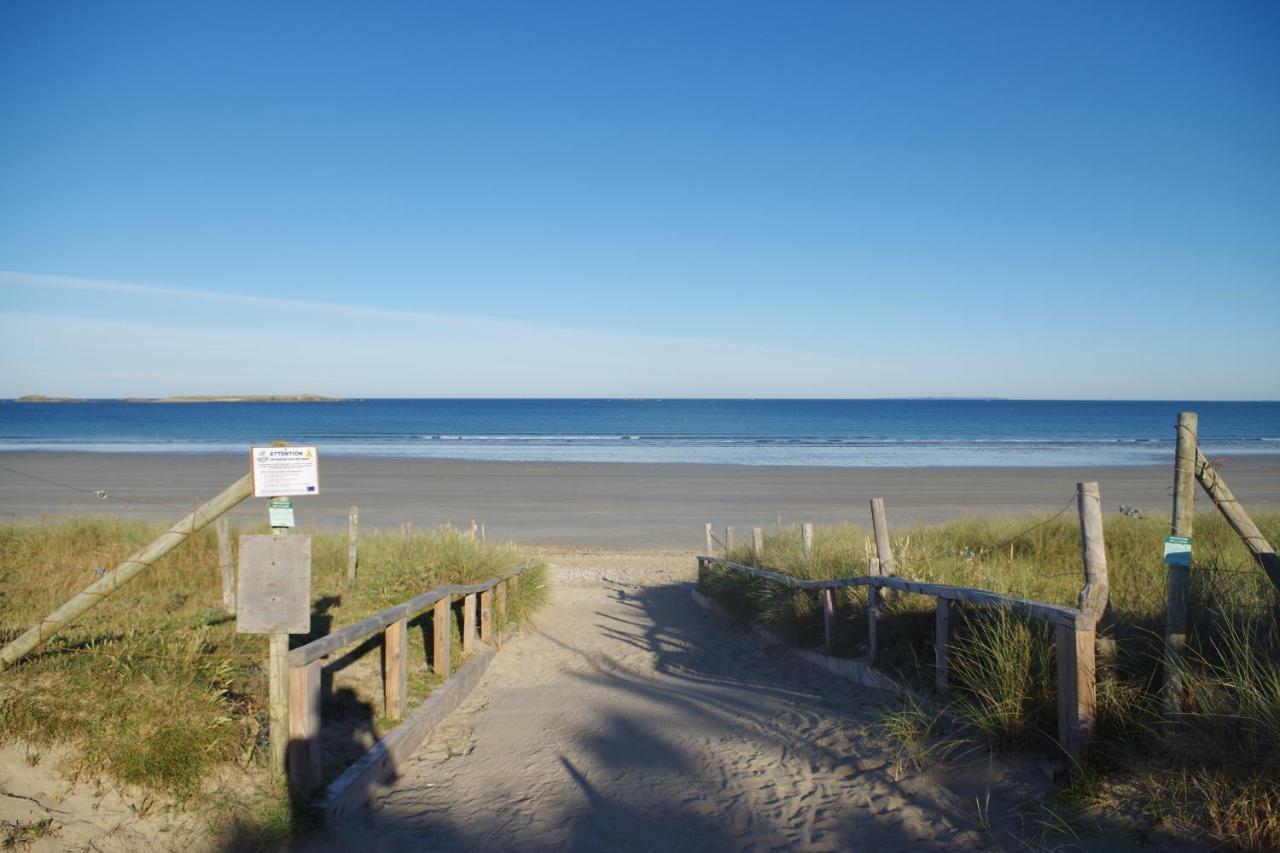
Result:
[
  {"x": 1177, "y": 551},
  {"x": 280, "y": 513}
]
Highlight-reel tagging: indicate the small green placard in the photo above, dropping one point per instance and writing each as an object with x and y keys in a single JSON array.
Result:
[
  {"x": 1177, "y": 551},
  {"x": 280, "y": 513}
]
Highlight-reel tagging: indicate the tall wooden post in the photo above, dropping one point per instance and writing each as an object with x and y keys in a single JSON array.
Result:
[
  {"x": 884, "y": 548},
  {"x": 353, "y": 538},
  {"x": 943, "y": 617},
  {"x": 468, "y": 624},
  {"x": 873, "y": 608},
  {"x": 728, "y": 539},
  {"x": 1096, "y": 591},
  {"x": 757, "y": 544},
  {"x": 1077, "y": 689},
  {"x": 226, "y": 564},
  {"x": 304, "y": 727},
  {"x": 806, "y": 538},
  {"x": 486, "y": 616},
  {"x": 1175, "y": 619},
  {"x": 709, "y": 550}
]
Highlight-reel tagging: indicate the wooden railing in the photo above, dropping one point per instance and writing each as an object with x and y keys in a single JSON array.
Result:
[
  {"x": 1075, "y": 627},
  {"x": 483, "y": 605}
]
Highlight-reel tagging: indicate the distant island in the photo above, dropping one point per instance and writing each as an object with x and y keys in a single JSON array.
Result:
[
  {"x": 40, "y": 398},
  {"x": 241, "y": 398}
]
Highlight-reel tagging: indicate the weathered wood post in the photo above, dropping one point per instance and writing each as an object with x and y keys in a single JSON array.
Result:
[
  {"x": 1175, "y": 611},
  {"x": 1096, "y": 592},
  {"x": 806, "y": 539},
  {"x": 728, "y": 539},
  {"x": 304, "y": 727},
  {"x": 226, "y": 564},
  {"x": 353, "y": 539},
  {"x": 486, "y": 616},
  {"x": 1077, "y": 688},
  {"x": 884, "y": 548},
  {"x": 709, "y": 550},
  {"x": 443, "y": 634},
  {"x": 395, "y": 669},
  {"x": 500, "y": 611},
  {"x": 873, "y": 608},
  {"x": 757, "y": 544},
  {"x": 828, "y": 620},
  {"x": 943, "y": 617},
  {"x": 468, "y": 624}
]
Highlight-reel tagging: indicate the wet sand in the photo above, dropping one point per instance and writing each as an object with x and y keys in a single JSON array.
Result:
[{"x": 615, "y": 505}]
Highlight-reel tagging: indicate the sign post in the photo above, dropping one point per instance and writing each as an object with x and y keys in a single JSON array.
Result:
[{"x": 275, "y": 574}]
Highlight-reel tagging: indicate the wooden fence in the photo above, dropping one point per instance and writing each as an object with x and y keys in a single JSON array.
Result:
[
  {"x": 484, "y": 604},
  {"x": 1075, "y": 627}
]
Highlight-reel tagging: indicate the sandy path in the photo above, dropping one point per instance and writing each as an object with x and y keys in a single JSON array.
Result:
[{"x": 630, "y": 718}]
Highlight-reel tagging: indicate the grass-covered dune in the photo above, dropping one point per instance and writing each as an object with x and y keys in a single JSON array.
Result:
[
  {"x": 1214, "y": 768},
  {"x": 155, "y": 688}
]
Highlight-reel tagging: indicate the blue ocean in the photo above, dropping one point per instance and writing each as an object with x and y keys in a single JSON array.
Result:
[{"x": 734, "y": 432}]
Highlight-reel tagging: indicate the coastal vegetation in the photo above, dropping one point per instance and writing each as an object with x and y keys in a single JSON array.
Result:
[
  {"x": 155, "y": 689},
  {"x": 1210, "y": 767}
]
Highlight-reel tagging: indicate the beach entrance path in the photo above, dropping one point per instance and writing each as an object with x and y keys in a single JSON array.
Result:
[{"x": 630, "y": 718}]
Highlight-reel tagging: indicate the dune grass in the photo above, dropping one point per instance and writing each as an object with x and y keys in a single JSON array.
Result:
[
  {"x": 155, "y": 688},
  {"x": 1213, "y": 767}
]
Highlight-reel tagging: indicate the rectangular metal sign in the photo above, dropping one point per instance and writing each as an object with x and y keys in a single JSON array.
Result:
[
  {"x": 273, "y": 594},
  {"x": 281, "y": 471},
  {"x": 280, "y": 512},
  {"x": 1177, "y": 551}
]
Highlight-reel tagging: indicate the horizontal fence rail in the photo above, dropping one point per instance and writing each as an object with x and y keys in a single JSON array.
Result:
[
  {"x": 307, "y": 661},
  {"x": 1075, "y": 627}
]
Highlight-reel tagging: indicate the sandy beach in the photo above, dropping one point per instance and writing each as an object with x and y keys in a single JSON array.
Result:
[{"x": 614, "y": 505}]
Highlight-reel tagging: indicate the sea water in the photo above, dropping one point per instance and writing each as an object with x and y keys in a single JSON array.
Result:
[{"x": 739, "y": 432}]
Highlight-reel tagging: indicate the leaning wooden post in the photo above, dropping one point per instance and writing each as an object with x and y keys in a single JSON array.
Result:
[
  {"x": 1175, "y": 610},
  {"x": 884, "y": 548},
  {"x": 126, "y": 571},
  {"x": 806, "y": 538},
  {"x": 395, "y": 669},
  {"x": 304, "y": 727},
  {"x": 757, "y": 544},
  {"x": 353, "y": 538},
  {"x": 226, "y": 564},
  {"x": 443, "y": 634},
  {"x": 1239, "y": 520},
  {"x": 709, "y": 550}
]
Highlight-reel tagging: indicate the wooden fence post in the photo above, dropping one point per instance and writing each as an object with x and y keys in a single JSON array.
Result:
[
  {"x": 728, "y": 539},
  {"x": 828, "y": 619},
  {"x": 278, "y": 699},
  {"x": 440, "y": 622},
  {"x": 943, "y": 616},
  {"x": 709, "y": 550},
  {"x": 884, "y": 548},
  {"x": 806, "y": 538},
  {"x": 226, "y": 564},
  {"x": 1095, "y": 594},
  {"x": 1077, "y": 689},
  {"x": 468, "y": 624},
  {"x": 1175, "y": 611},
  {"x": 304, "y": 727},
  {"x": 395, "y": 669},
  {"x": 353, "y": 538},
  {"x": 873, "y": 608},
  {"x": 757, "y": 544},
  {"x": 486, "y": 616}
]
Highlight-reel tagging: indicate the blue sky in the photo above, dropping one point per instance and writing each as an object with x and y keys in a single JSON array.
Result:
[{"x": 646, "y": 199}]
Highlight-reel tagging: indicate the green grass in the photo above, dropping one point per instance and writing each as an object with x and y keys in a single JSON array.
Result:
[
  {"x": 1215, "y": 766},
  {"x": 155, "y": 688}
]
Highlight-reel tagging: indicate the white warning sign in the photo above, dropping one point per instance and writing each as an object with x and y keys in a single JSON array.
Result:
[{"x": 282, "y": 471}]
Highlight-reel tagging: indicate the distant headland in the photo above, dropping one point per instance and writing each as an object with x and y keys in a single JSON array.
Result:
[{"x": 239, "y": 398}]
